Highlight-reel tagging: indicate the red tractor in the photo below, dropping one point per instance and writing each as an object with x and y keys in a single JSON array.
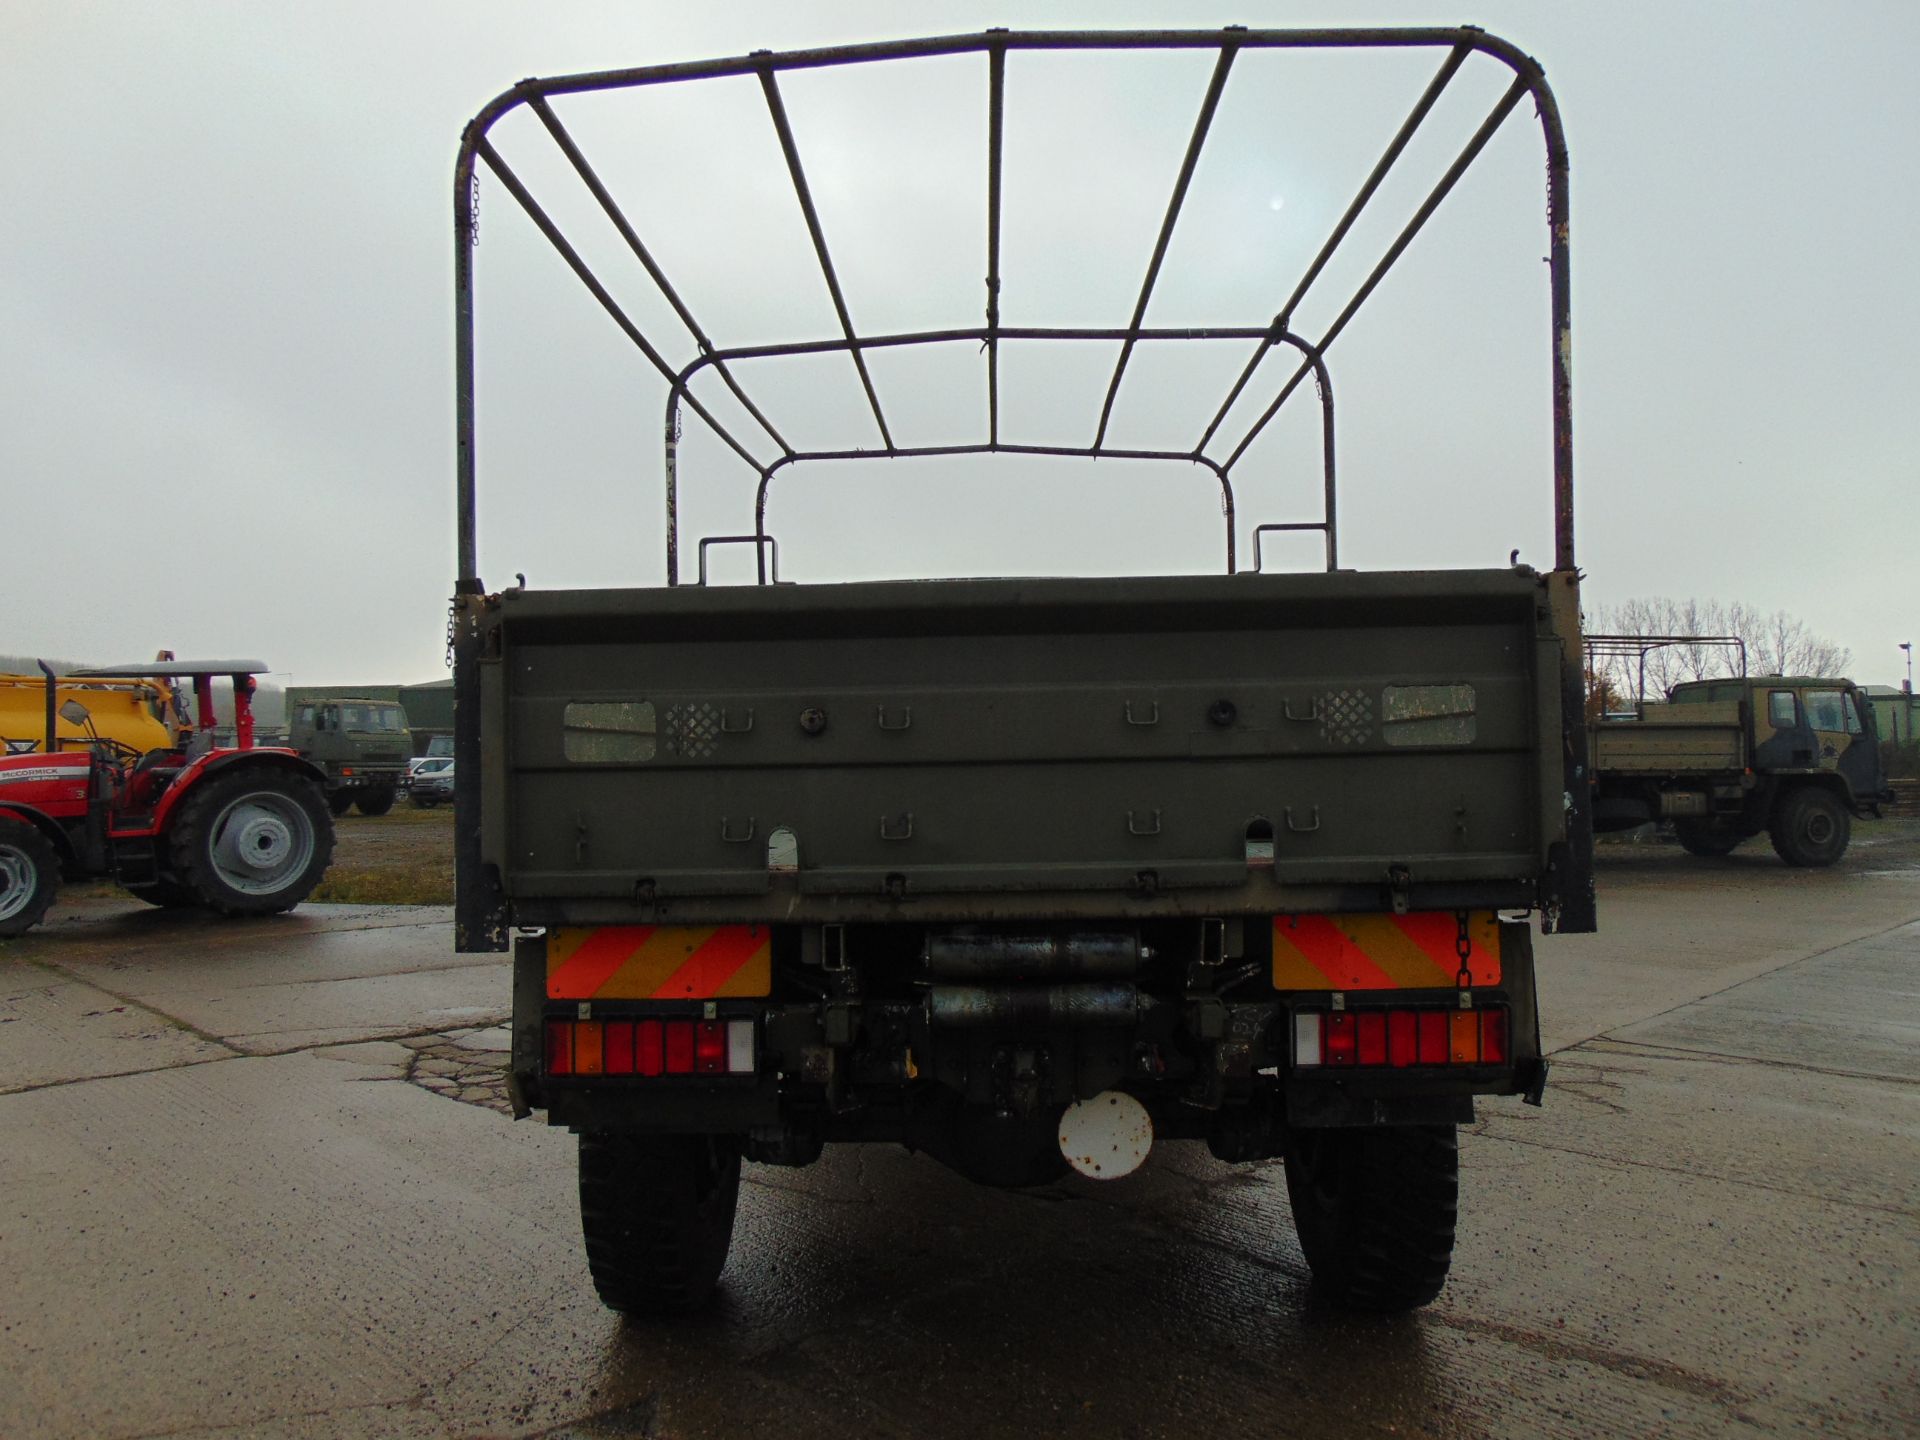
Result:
[{"x": 239, "y": 830}]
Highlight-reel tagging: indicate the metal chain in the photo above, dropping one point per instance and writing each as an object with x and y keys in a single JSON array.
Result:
[
  {"x": 1463, "y": 947},
  {"x": 473, "y": 209},
  {"x": 453, "y": 612}
]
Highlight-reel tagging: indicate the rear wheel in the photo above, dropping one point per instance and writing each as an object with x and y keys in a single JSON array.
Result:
[
  {"x": 251, "y": 842},
  {"x": 657, "y": 1215},
  {"x": 374, "y": 802},
  {"x": 340, "y": 801},
  {"x": 1810, "y": 828},
  {"x": 1697, "y": 838},
  {"x": 29, "y": 877},
  {"x": 1375, "y": 1211},
  {"x": 424, "y": 799}
]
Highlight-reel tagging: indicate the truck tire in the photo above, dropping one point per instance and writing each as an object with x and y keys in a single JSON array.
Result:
[
  {"x": 251, "y": 841},
  {"x": 339, "y": 801},
  {"x": 1375, "y": 1212},
  {"x": 374, "y": 802},
  {"x": 657, "y": 1215},
  {"x": 1705, "y": 840},
  {"x": 166, "y": 892},
  {"x": 1810, "y": 828},
  {"x": 29, "y": 877}
]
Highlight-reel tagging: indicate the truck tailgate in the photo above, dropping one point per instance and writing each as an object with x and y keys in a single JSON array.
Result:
[{"x": 1003, "y": 748}]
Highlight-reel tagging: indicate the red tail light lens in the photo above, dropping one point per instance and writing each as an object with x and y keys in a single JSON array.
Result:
[
  {"x": 618, "y": 1052},
  {"x": 1403, "y": 1038},
  {"x": 1371, "y": 1028},
  {"x": 649, "y": 1056},
  {"x": 650, "y": 1047},
  {"x": 679, "y": 1047},
  {"x": 1434, "y": 1045},
  {"x": 1338, "y": 1041},
  {"x": 1400, "y": 1037}
]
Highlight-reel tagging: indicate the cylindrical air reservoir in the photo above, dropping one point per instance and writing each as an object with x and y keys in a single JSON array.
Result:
[
  {"x": 1033, "y": 957},
  {"x": 1031, "y": 1007}
]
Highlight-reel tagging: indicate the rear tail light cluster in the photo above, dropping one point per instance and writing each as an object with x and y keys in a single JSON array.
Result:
[
  {"x": 1395, "y": 1039},
  {"x": 650, "y": 1047}
]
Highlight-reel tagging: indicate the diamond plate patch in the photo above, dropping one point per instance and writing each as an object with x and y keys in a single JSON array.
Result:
[
  {"x": 693, "y": 731},
  {"x": 1346, "y": 717}
]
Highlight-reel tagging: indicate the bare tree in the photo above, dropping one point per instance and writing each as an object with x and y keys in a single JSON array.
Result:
[
  {"x": 1776, "y": 644},
  {"x": 1782, "y": 645}
]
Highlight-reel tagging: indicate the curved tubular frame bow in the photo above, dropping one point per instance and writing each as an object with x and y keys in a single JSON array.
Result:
[{"x": 1455, "y": 46}]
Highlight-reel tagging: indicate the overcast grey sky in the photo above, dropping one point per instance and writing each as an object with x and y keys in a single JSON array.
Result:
[{"x": 226, "y": 339}]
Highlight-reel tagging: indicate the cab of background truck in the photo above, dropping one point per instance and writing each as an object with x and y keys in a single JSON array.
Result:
[
  {"x": 349, "y": 731},
  {"x": 1803, "y": 722}
]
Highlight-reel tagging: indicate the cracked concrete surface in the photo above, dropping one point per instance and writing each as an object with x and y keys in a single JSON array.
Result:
[{"x": 260, "y": 1182}]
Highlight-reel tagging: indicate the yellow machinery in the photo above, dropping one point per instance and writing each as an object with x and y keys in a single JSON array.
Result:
[{"x": 131, "y": 712}]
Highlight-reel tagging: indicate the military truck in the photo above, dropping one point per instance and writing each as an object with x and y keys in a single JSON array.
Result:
[
  {"x": 1726, "y": 759},
  {"x": 359, "y": 744},
  {"x": 1021, "y": 873}
]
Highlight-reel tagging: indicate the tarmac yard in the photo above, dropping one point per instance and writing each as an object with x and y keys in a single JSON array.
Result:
[{"x": 258, "y": 1180}]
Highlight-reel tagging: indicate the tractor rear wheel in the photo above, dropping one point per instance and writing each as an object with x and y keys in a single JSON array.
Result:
[
  {"x": 1375, "y": 1211},
  {"x": 1810, "y": 828},
  {"x": 657, "y": 1215},
  {"x": 29, "y": 877},
  {"x": 374, "y": 802},
  {"x": 251, "y": 841}
]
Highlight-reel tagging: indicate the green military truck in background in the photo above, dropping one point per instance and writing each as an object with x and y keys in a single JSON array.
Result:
[
  {"x": 1022, "y": 873},
  {"x": 359, "y": 743},
  {"x": 1795, "y": 757}
]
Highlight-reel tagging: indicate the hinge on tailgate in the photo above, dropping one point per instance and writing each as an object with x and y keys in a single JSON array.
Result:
[{"x": 1399, "y": 888}]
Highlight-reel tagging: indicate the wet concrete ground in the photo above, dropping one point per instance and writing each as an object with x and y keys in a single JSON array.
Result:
[{"x": 257, "y": 1181}]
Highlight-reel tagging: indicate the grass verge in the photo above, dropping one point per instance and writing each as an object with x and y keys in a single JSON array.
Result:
[{"x": 401, "y": 858}]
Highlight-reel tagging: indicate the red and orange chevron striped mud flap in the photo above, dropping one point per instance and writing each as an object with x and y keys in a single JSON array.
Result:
[
  {"x": 1382, "y": 952},
  {"x": 659, "y": 962}
]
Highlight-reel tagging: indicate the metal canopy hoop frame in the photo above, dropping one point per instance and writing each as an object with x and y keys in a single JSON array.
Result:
[
  {"x": 1603, "y": 651},
  {"x": 1455, "y": 45}
]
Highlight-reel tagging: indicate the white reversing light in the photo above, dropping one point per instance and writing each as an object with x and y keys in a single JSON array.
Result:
[{"x": 1306, "y": 1038}]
